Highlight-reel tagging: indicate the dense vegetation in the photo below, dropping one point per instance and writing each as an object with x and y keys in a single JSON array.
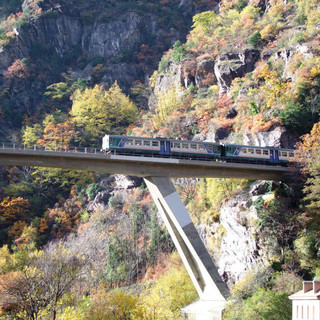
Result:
[{"x": 77, "y": 245}]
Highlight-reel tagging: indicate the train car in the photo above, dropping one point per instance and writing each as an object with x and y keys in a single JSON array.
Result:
[
  {"x": 258, "y": 154},
  {"x": 161, "y": 146},
  {"x": 194, "y": 149}
]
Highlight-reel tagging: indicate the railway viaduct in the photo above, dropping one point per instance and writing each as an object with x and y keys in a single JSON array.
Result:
[{"x": 157, "y": 173}]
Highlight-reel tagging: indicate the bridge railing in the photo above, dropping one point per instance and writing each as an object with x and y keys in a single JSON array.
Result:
[{"x": 17, "y": 146}]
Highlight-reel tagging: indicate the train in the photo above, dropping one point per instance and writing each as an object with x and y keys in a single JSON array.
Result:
[{"x": 195, "y": 150}]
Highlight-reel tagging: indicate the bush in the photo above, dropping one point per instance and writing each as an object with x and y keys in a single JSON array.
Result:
[
  {"x": 92, "y": 190},
  {"x": 263, "y": 305},
  {"x": 164, "y": 65},
  {"x": 297, "y": 118},
  {"x": 255, "y": 39},
  {"x": 178, "y": 51},
  {"x": 241, "y": 5}
]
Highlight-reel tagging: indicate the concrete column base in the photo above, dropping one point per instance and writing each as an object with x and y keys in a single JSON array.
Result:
[{"x": 204, "y": 310}]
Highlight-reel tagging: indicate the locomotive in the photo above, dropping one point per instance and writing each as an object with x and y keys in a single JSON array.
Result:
[{"x": 195, "y": 150}]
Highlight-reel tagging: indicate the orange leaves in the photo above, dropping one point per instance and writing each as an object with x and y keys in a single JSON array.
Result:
[
  {"x": 18, "y": 70},
  {"x": 10, "y": 282},
  {"x": 58, "y": 135},
  {"x": 14, "y": 209},
  {"x": 309, "y": 145}
]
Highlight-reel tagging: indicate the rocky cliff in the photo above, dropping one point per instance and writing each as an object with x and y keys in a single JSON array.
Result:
[{"x": 98, "y": 42}]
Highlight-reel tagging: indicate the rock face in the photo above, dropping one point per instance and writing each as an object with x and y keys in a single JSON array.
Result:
[
  {"x": 239, "y": 250},
  {"x": 234, "y": 65},
  {"x": 276, "y": 136},
  {"x": 74, "y": 37},
  {"x": 208, "y": 71}
]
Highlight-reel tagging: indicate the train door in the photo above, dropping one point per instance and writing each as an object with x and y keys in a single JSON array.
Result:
[
  {"x": 271, "y": 155},
  {"x": 168, "y": 147},
  {"x": 274, "y": 155},
  {"x": 162, "y": 147},
  {"x": 165, "y": 147}
]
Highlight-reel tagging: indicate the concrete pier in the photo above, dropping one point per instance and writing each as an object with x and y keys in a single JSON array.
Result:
[{"x": 203, "y": 273}]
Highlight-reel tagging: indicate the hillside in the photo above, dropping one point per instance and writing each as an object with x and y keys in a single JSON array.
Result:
[
  {"x": 46, "y": 42},
  {"x": 237, "y": 71}
]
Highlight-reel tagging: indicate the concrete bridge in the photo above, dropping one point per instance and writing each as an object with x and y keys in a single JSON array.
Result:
[{"x": 157, "y": 173}]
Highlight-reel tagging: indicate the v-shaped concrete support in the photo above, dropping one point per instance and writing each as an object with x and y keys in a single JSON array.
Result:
[{"x": 195, "y": 256}]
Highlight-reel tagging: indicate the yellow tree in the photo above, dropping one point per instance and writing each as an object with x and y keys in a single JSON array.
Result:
[{"x": 99, "y": 111}]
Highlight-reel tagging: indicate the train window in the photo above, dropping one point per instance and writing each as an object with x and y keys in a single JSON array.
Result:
[
  {"x": 129, "y": 142},
  {"x": 284, "y": 153},
  {"x": 265, "y": 152},
  {"x": 244, "y": 150},
  {"x": 258, "y": 151},
  {"x": 185, "y": 146},
  {"x": 138, "y": 142},
  {"x": 291, "y": 154},
  {"x": 146, "y": 142},
  {"x": 201, "y": 147},
  {"x": 177, "y": 145},
  {"x": 155, "y": 143},
  {"x": 251, "y": 151},
  {"x": 193, "y": 146},
  {"x": 210, "y": 147}
]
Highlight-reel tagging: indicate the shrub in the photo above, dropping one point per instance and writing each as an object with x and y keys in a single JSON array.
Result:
[
  {"x": 296, "y": 117},
  {"x": 255, "y": 39},
  {"x": 92, "y": 190},
  {"x": 262, "y": 305},
  {"x": 178, "y": 51},
  {"x": 164, "y": 65}
]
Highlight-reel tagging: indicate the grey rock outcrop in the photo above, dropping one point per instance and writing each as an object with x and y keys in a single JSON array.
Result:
[
  {"x": 234, "y": 65},
  {"x": 276, "y": 136},
  {"x": 239, "y": 249}
]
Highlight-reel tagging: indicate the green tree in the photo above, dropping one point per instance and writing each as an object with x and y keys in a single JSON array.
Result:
[
  {"x": 255, "y": 39},
  {"x": 178, "y": 51},
  {"x": 297, "y": 117},
  {"x": 262, "y": 305}
]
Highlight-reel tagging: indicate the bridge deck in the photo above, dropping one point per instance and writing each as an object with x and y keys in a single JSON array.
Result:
[{"x": 142, "y": 166}]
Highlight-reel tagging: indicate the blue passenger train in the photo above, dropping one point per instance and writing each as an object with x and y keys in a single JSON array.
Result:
[{"x": 199, "y": 150}]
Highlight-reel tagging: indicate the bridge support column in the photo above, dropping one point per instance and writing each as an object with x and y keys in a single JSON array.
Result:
[{"x": 204, "y": 275}]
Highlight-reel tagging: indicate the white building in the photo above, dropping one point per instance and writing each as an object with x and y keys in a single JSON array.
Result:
[{"x": 306, "y": 303}]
